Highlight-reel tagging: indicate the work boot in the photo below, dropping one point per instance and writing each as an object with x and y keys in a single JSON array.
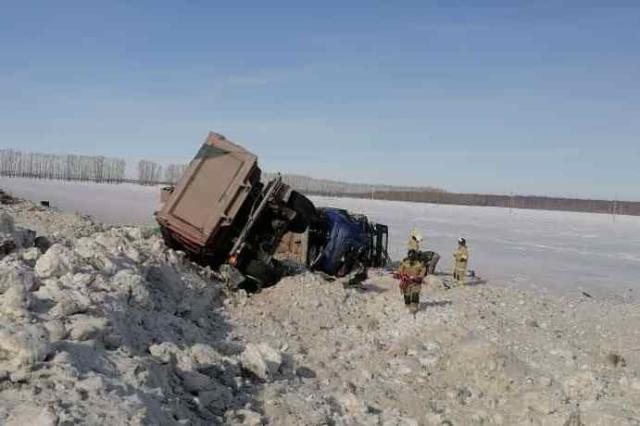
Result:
[
  {"x": 433, "y": 262},
  {"x": 414, "y": 308},
  {"x": 415, "y": 299}
]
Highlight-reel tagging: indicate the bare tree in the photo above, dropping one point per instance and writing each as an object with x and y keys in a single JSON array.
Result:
[
  {"x": 173, "y": 172},
  {"x": 149, "y": 172},
  {"x": 69, "y": 167}
]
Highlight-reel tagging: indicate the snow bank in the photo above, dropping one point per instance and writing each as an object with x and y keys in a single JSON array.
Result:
[
  {"x": 476, "y": 355},
  {"x": 112, "y": 328}
]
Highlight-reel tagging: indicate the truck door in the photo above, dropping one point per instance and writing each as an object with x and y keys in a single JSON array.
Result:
[{"x": 379, "y": 258}]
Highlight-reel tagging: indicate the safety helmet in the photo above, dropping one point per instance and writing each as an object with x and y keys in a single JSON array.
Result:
[{"x": 462, "y": 241}]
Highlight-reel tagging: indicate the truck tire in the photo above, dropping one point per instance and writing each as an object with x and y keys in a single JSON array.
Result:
[
  {"x": 261, "y": 273},
  {"x": 305, "y": 211}
]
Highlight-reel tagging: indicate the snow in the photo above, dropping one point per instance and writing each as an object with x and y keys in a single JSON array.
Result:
[
  {"x": 116, "y": 204},
  {"x": 109, "y": 326},
  {"x": 531, "y": 248},
  {"x": 478, "y": 355},
  {"x": 524, "y": 248},
  {"x": 80, "y": 325}
]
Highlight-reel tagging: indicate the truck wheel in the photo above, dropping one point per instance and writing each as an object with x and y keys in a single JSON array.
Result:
[
  {"x": 305, "y": 211},
  {"x": 261, "y": 273}
]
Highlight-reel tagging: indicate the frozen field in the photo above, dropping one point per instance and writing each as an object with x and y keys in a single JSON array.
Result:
[
  {"x": 547, "y": 250},
  {"x": 115, "y": 204},
  {"x": 533, "y": 248}
]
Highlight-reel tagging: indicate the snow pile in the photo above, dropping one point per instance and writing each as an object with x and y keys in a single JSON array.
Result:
[
  {"x": 472, "y": 355},
  {"x": 261, "y": 360},
  {"x": 113, "y": 328}
]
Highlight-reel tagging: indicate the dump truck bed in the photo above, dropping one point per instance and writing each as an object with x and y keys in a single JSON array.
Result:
[{"x": 211, "y": 192}]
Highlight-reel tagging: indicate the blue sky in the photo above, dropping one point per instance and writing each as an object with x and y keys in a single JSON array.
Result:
[{"x": 527, "y": 97}]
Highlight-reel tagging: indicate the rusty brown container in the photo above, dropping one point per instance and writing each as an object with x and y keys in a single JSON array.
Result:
[
  {"x": 293, "y": 247},
  {"x": 210, "y": 193}
]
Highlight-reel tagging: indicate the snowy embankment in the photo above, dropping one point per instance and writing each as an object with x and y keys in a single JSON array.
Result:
[
  {"x": 572, "y": 252},
  {"x": 105, "y": 325}
]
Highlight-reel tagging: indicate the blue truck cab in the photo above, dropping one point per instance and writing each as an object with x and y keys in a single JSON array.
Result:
[{"x": 344, "y": 241}]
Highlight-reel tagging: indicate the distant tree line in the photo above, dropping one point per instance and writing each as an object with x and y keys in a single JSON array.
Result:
[
  {"x": 150, "y": 173},
  {"x": 16, "y": 163},
  {"x": 310, "y": 185},
  {"x": 103, "y": 169},
  {"x": 63, "y": 167},
  {"x": 613, "y": 207}
]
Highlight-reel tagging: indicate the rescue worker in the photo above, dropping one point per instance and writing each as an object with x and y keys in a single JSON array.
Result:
[
  {"x": 430, "y": 259},
  {"x": 414, "y": 240},
  {"x": 411, "y": 273},
  {"x": 461, "y": 258}
]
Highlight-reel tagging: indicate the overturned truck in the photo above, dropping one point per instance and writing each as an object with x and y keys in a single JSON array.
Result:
[{"x": 221, "y": 213}]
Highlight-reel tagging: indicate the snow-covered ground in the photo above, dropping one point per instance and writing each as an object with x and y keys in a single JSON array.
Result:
[
  {"x": 116, "y": 204},
  {"x": 531, "y": 248},
  {"x": 109, "y": 326}
]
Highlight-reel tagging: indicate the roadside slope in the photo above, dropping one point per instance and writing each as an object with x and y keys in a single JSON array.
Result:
[{"x": 105, "y": 325}]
